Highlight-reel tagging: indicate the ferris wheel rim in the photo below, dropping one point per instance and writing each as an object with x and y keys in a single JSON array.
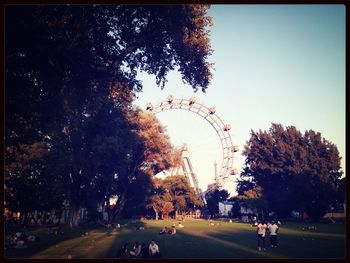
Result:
[{"x": 209, "y": 114}]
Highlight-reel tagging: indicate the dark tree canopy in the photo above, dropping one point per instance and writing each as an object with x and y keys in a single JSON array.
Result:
[
  {"x": 213, "y": 198},
  {"x": 296, "y": 171},
  {"x": 113, "y": 41},
  {"x": 70, "y": 80}
]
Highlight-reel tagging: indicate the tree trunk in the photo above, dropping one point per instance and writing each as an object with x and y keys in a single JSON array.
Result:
[
  {"x": 73, "y": 216},
  {"x": 156, "y": 212},
  {"x": 23, "y": 218},
  {"x": 110, "y": 212},
  {"x": 176, "y": 214},
  {"x": 119, "y": 206}
]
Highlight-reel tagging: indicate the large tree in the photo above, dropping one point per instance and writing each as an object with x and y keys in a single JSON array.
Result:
[
  {"x": 71, "y": 75},
  {"x": 296, "y": 171},
  {"x": 152, "y": 153}
]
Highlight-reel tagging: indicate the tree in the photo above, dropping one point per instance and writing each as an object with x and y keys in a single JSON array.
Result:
[
  {"x": 176, "y": 191},
  {"x": 167, "y": 208},
  {"x": 236, "y": 208},
  {"x": 213, "y": 198},
  {"x": 158, "y": 151},
  {"x": 84, "y": 59},
  {"x": 151, "y": 154},
  {"x": 155, "y": 200},
  {"x": 181, "y": 194},
  {"x": 27, "y": 187},
  {"x": 296, "y": 171},
  {"x": 255, "y": 200}
]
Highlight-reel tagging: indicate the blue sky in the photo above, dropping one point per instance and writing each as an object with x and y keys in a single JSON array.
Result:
[{"x": 273, "y": 63}]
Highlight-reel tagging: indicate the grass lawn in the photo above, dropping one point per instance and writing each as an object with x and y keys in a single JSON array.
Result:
[{"x": 198, "y": 239}]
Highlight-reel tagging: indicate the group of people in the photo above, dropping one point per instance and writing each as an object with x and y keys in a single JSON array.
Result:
[
  {"x": 20, "y": 239},
  {"x": 112, "y": 227},
  {"x": 312, "y": 228},
  {"x": 171, "y": 231},
  {"x": 261, "y": 230},
  {"x": 165, "y": 231},
  {"x": 55, "y": 230},
  {"x": 139, "y": 251}
]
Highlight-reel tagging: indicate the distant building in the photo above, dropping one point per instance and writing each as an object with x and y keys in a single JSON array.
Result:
[
  {"x": 246, "y": 214},
  {"x": 336, "y": 213},
  {"x": 225, "y": 208}
]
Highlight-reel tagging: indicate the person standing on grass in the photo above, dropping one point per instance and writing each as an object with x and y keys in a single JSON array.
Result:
[
  {"x": 273, "y": 229},
  {"x": 261, "y": 233}
]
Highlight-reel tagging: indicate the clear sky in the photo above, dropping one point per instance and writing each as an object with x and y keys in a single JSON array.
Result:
[{"x": 273, "y": 63}]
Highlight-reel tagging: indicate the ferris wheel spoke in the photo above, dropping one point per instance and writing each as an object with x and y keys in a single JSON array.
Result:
[{"x": 221, "y": 129}]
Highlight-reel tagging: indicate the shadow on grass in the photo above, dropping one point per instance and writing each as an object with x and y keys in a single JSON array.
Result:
[
  {"x": 104, "y": 245},
  {"x": 45, "y": 240},
  {"x": 196, "y": 240},
  {"x": 189, "y": 245},
  {"x": 310, "y": 245}
]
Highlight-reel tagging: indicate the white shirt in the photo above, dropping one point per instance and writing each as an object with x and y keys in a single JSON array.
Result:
[
  {"x": 273, "y": 229},
  {"x": 153, "y": 248},
  {"x": 262, "y": 229}
]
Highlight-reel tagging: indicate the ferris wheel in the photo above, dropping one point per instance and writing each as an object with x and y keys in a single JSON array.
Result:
[{"x": 209, "y": 114}]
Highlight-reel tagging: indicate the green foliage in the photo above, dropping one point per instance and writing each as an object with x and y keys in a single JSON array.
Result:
[
  {"x": 70, "y": 79},
  {"x": 213, "y": 198},
  {"x": 297, "y": 172},
  {"x": 176, "y": 191},
  {"x": 158, "y": 151},
  {"x": 167, "y": 207},
  {"x": 114, "y": 41},
  {"x": 254, "y": 198}
]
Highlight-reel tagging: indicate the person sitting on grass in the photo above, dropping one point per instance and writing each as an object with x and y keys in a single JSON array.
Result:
[
  {"x": 57, "y": 231},
  {"x": 13, "y": 240},
  {"x": 20, "y": 243},
  {"x": 313, "y": 228},
  {"x": 32, "y": 238},
  {"x": 136, "y": 252},
  {"x": 164, "y": 231},
  {"x": 123, "y": 252},
  {"x": 181, "y": 225},
  {"x": 173, "y": 230},
  {"x": 153, "y": 249}
]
